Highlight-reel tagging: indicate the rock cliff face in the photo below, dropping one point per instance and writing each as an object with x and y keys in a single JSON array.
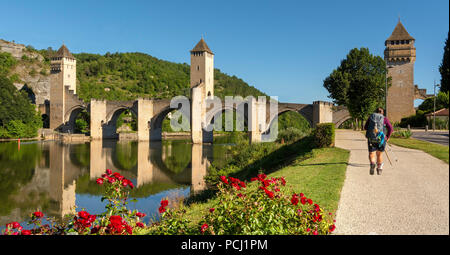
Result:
[{"x": 31, "y": 71}]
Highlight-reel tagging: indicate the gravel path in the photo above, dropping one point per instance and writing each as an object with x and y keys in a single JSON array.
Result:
[{"x": 409, "y": 198}]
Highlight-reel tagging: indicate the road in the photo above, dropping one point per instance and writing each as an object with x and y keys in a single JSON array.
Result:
[{"x": 440, "y": 137}]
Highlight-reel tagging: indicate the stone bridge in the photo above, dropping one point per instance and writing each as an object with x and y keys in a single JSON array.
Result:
[{"x": 202, "y": 106}]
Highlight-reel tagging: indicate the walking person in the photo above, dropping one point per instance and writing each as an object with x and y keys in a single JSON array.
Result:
[{"x": 378, "y": 130}]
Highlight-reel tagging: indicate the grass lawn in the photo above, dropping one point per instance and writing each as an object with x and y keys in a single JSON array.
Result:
[
  {"x": 436, "y": 150},
  {"x": 319, "y": 177}
]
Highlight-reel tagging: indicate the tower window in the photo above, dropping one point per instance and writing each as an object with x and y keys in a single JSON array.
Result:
[
  {"x": 392, "y": 42},
  {"x": 407, "y": 41},
  {"x": 198, "y": 68},
  {"x": 397, "y": 42}
]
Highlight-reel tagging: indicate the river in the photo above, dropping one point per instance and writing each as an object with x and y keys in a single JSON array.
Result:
[{"x": 56, "y": 177}]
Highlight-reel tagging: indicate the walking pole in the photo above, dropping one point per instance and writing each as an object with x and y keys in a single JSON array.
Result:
[
  {"x": 387, "y": 155},
  {"x": 393, "y": 154}
]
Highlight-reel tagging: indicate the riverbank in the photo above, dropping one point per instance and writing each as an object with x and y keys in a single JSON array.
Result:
[{"x": 317, "y": 173}]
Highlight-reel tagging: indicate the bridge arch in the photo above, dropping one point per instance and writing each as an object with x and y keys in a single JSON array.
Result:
[
  {"x": 110, "y": 125},
  {"x": 71, "y": 116}
]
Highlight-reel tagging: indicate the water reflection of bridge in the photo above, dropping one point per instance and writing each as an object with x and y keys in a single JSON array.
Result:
[{"x": 69, "y": 163}]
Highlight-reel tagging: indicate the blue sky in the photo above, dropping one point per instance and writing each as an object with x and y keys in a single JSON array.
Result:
[{"x": 283, "y": 48}]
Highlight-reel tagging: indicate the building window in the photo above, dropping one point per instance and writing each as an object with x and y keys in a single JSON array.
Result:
[{"x": 198, "y": 68}]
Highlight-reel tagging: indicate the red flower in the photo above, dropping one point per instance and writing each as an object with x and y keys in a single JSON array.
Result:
[
  {"x": 38, "y": 214},
  {"x": 140, "y": 224},
  {"x": 332, "y": 228},
  {"x": 115, "y": 219},
  {"x": 129, "y": 229},
  {"x": 162, "y": 209},
  {"x": 269, "y": 193},
  {"x": 91, "y": 218},
  {"x": 253, "y": 179},
  {"x": 294, "y": 199},
  {"x": 315, "y": 232},
  {"x": 302, "y": 195},
  {"x": 130, "y": 184},
  {"x": 262, "y": 176},
  {"x": 310, "y": 201},
  {"x": 316, "y": 208},
  {"x": 13, "y": 225},
  {"x": 116, "y": 225},
  {"x": 25, "y": 232},
  {"x": 224, "y": 179},
  {"x": 302, "y": 200},
  {"x": 203, "y": 228},
  {"x": 243, "y": 184},
  {"x": 140, "y": 215},
  {"x": 83, "y": 214},
  {"x": 108, "y": 171},
  {"x": 164, "y": 203},
  {"x": 211, "y": 210},
  {"x": 308, "y": 229},
  {"x": 118, "y": 176},
  {"x": 99, "y": 181},
  {"x": 111, "y": 180}
]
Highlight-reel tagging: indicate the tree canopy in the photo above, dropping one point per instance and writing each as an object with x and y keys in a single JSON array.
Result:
[
  {"x": 444, "y": 68},
  {"x": 358, "y": 83},
  {"x": 18, "y": 117}
]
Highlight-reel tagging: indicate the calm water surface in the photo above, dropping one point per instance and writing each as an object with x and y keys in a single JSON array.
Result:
[{"x": 56, "y": 177}]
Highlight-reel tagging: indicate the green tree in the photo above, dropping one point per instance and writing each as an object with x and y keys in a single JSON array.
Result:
[
  {"x": 358, "y": 83},
  {"x": 444, "y": 68},
  {"x": 6, "y": 63},
  {"x": 442, "y": 101},
  {"x": 18, "y": 117}
]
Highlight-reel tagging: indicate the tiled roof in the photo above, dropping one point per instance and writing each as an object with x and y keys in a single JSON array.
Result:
[{"x": 400, "y": 33}]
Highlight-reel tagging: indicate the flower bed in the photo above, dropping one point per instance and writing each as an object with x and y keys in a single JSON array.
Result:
[{"x": 262, "y": 206}]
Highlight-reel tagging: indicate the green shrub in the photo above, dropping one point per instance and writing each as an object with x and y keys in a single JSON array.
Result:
[
  {"x": 401, "y": 134},
  {"x": 417, "y": 120},
  {"x": 323, "y": 135}
]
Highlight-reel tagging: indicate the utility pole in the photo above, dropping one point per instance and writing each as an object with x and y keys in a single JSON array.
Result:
[{"x": 434, "y": 107}]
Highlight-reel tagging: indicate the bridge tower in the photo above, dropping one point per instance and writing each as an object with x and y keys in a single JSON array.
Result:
[
  {"x": 202, "y": 86},
  {"x": 400, "y": 55},
  {"x": 202, "y": 68},
  {"x": 63, "y": 74}
]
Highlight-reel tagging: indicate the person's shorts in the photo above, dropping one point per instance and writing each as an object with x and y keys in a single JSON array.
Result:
[{"x": 376, "y": 147}]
